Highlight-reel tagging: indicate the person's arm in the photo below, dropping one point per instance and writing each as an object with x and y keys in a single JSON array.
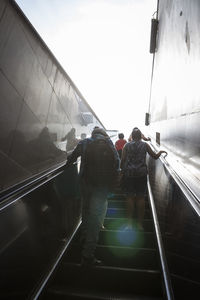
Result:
[
  {"x": 116, "y": 155},
  {"x": 74, "y": 155},
  {"x": 145, "y": 138},
  {"x": 153, "y": 153},
  {"x": 123, "y": 156},
  {"x": 64, "y": 138},
  {"x": 130, "y": 138}
]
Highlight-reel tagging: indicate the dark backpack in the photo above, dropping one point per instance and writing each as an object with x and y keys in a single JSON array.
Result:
[{"x": 100, "y": 169}]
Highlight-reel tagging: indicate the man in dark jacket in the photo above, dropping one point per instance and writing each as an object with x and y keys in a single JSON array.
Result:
[{"x": 94, "y": 189}]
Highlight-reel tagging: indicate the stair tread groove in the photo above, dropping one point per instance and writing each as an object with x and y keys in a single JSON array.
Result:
[
  {"x": 56, "y": 290},
  {"x": 115, "y": 268}
]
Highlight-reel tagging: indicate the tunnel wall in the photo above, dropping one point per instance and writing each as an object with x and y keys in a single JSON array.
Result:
[
  {"x": 175, "y": 99},
  {"x": 39, "y": 102},
  {"x": 179, "y": 225},
  {"x": 174, "y": 109}
]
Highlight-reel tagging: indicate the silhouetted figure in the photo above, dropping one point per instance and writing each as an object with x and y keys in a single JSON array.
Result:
[
  {"x": 99, "y": 161},
  {"x": 72, "y": 141},
  {"x": 134, "y": 174},
  {"x": 83, "y": 136},
  {"x": 42, "y": 149},
  {"x": 142, "y": 135},
  {"x": 119, "y": 144}
]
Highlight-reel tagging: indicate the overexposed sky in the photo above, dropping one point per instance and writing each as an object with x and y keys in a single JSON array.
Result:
[{"x": 103, "y": 45}]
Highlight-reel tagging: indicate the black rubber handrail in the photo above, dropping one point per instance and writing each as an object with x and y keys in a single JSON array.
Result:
[
  {"x": 19, "y": 191},
  {"x": 23, "y": 191},
  {"x": 30, "y": 181},
  {"x": 165, "y": 272}
]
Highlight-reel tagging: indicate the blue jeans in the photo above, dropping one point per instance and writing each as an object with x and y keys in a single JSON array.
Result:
[{"x": 94, "y": 207}]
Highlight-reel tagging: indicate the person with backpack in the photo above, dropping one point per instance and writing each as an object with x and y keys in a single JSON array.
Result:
[
  {"x": 134, "y": 175},
  {"x": 98, "y": 173}
]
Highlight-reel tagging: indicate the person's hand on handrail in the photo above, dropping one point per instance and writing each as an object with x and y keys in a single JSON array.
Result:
[{"x": 163, "y": 152}]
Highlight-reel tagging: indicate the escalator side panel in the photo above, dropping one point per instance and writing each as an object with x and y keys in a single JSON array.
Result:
[
  {"x": 32, "y": 231},
  {"x": 179, "y": 225}
]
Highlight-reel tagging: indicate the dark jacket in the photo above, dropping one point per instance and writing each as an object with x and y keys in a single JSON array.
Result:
[{"x": 80, "y": 149}]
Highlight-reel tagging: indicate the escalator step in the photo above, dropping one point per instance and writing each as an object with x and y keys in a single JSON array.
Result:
[
  {"x": 113, "y": 212},
  {"x": 118, "y": 256},
  {"x": 117, "y": 204},
  {"x": 117, "y": 196},
  {"x": 62, "y": 294},
  {"x": 108, "y": 279},
  {"x": 132, "y": 238},
  {"x": 122, "y": 204},
  {"x": 117, "y": 223}
]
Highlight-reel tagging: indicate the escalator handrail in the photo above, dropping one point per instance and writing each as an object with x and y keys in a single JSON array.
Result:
[
  {"x": 27, "y": 189},
  {"x": 30, "y": 185},
  {"x": 30, "y": 181},
  {"x": 186, "y": 190},
  {"x": 42, "y": 285},
  {"x": 165, "y": 271}
]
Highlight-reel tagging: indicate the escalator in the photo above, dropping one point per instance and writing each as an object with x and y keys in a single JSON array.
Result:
[
  {"x": 131, "y": 265},
  {"x": 40, "y": 212},
  {"x": 38, "y": 262}
]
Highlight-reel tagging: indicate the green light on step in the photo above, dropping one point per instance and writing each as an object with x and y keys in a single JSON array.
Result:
[{"x": 124, "y": 237}]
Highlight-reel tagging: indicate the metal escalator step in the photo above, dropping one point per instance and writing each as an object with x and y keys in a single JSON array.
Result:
[
  {"x": 124, "y": 238},
  {"x": 117, "y": 223},
  {"x": 110, "y": 279},
  {"x": 132, "y": 238},
  {"x": 127, "y": 257},
  {"x": 122, "y": 203},
  {"x": 62, "y": 293},
  {"x": 117, "y": 203},
  {"x": 117, "y": 196},
  {"x": 115, "y": 212}
]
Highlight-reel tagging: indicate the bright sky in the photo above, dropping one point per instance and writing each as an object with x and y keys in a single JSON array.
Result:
[{"x": 103, "y": 45}]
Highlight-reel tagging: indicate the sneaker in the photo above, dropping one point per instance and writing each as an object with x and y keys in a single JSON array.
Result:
[
  {"x": 103, "y": 227},
  {"x": 90, "y": 262}
]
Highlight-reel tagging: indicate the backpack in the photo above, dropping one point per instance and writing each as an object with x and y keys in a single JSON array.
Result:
[
  {"x": 135, "y": 160},
  {"x": 99, "y": 169}
]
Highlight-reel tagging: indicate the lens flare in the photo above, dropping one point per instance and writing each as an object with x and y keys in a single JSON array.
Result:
[
  {"x": 122, "y": 237},
  {"x": 126, "y": 236}
]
